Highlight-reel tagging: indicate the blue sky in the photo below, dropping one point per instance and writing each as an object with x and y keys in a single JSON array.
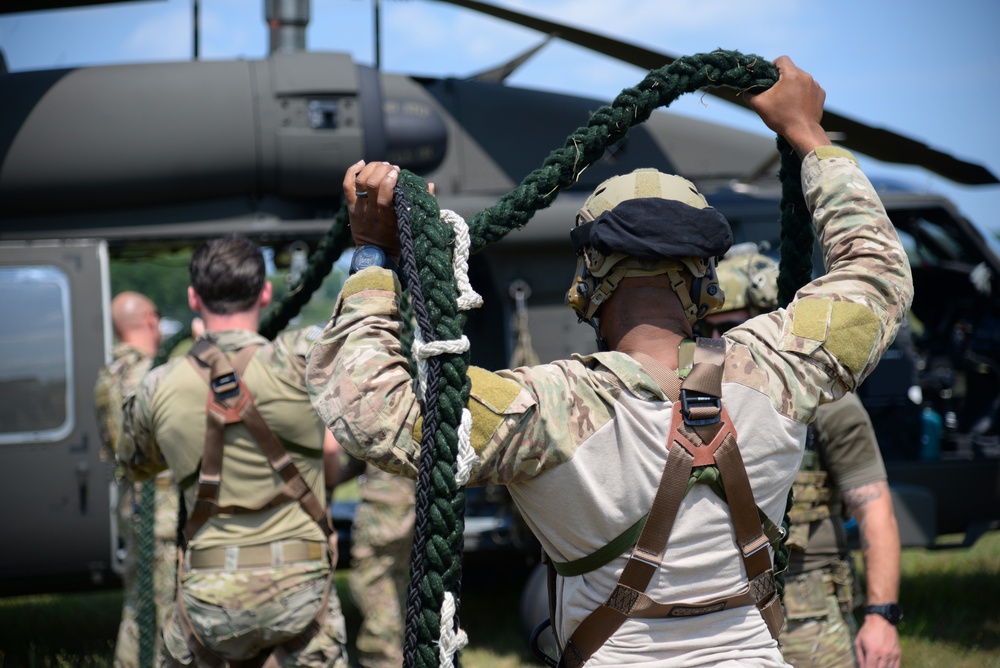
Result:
[{"x": 924, "y": 68}]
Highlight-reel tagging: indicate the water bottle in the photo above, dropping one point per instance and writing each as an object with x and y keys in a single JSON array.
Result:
[{"x": 930, "y": 434}]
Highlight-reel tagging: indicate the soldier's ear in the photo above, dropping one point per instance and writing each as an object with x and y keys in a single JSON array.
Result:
[
  {"x": 194, "y": 301},
  {"x": 265, "y": 295}
]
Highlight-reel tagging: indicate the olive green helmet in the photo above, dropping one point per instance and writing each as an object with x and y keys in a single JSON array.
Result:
[
  {"x": 750, "y": 281},
  {"x": 670, "y": 244}
]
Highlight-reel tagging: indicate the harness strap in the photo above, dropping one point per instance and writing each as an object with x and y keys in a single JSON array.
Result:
[
  {"x": 642, "y": 563},
  {"x": 702, "y": 434}
]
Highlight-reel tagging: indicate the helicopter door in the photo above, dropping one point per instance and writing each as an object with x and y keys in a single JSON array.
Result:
[{"x": 54, "y": 486}]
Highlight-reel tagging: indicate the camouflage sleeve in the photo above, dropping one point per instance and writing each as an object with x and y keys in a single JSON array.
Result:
[
  {"x": 138, "y": 453},
  {"x": 838, "y": 326},
  {"x": 115, "y": 382},
  {"x": 361, "y": 385},
  {"x": 107, "y": 426},
  {"x": 358, "y": 378}
]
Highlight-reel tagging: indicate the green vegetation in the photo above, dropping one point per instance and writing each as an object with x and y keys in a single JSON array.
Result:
[
  {"x": 163, "y": 277},
  {"x": 951, "y": 599}
]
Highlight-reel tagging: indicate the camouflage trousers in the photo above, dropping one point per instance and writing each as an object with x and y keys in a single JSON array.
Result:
[
  {"x": 166, "y": 502},
  {"x": 821, "y": 627},
  {"x": 380, "y": 563},
  {"x": 242, "y": 613}
]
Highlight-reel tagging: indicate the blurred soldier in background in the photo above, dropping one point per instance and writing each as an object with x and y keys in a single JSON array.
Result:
[
  {"x": 381, "y": 543},
  {"x": 136, "y": 324}
]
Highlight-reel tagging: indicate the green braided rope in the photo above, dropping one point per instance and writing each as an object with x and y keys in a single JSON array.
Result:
[
  {"x": 329, "y": 248},
  {"x": 438, "y": 534},
  {"x": 333, "y": 243},
  {"x": 145, "y": 553},
  {"x": 609, "y": 125},
  {"x": 561, "y": 169}
]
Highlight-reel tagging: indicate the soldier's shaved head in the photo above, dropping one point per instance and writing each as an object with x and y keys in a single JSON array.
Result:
[{"x": 135, "y": 320}]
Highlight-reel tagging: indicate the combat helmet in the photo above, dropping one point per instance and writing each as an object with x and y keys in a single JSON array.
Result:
[
  {"x": 647, "y": 223},
  {"x": 750, "y": 281}
]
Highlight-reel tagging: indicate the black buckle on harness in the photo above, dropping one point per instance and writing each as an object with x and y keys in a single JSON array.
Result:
[
  {"x": 689, "y": 401},
  {"x": 226, "y": 386}
]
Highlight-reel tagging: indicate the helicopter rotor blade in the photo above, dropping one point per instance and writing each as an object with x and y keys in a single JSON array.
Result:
[{"x": 874, "y": 142}]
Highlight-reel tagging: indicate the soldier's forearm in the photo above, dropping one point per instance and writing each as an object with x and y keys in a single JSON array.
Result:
[{"x": 871, "y": 505}]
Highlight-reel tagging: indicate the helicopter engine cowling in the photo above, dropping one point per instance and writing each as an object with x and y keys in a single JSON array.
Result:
[{"x": 165, "y": 133}]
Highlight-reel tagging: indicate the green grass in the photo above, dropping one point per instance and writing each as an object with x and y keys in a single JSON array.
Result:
[
  {"x": 951, "y": 603},
  {"x": 951, "y": 599}
]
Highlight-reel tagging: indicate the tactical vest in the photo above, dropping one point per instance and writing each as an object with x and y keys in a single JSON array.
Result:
[
  {"x": 702, "y": 448},
  {"x": 230, "y": 402},
  {"x": 811, "y": 495}
]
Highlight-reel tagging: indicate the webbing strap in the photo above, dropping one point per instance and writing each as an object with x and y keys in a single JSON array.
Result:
[
  {"x": 230, "y": 401},
  {"x": 664, "y": 376},
  {"x": 689, "y": 446},
  {"x": 644, "y": 561}
]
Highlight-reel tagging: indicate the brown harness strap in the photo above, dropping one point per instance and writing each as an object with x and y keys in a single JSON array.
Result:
[
  {"x": 702, "y": 434},
  {"x": 229, "y": 402}
]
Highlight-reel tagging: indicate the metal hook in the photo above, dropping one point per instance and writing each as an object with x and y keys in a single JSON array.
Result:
[{"x": 520, "y": 291}]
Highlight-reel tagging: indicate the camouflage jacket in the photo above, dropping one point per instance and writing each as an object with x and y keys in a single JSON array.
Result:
[
  {"x": 115, "y": 382},
  {"x": 579, "y": 442}
]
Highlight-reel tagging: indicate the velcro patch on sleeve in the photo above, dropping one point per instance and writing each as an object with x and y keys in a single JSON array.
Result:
[
  {"x": 811, "y": 319},
  {"x": 853, "y": 331},
  {"x": 824, "y": 152},
  {"x": 369, "y": 280},
  {"x": 490, "y": 398}
]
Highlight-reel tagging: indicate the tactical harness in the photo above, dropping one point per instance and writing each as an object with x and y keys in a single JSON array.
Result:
[
  {"x": 231, "y": 402},
  {"x": 702, "y": 448}
]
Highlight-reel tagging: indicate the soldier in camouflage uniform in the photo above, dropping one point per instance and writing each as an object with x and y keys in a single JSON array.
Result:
[
  {"x": 136, "y": 325},
  {"x": 381, "y": 542},
  {"x": 580, "y": 443},
  {"x": 257, "y": 573},
  {"x": 841, "y": 470}
]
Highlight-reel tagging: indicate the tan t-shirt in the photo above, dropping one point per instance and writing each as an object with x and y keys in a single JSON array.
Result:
[{"x": 165, "y": 426}]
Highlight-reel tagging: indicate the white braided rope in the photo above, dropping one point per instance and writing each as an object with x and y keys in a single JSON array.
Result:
[
  {"x": 467, "y": 297},
  {"x": 423, "y": 351},
  {"x": 451, "y": 640},
  {"x": 467, "y": 457}
]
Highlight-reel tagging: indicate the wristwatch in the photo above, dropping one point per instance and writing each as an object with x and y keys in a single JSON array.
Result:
[
  {"x": 371, "y": 256},
  {"x": 891, "y": 611}
]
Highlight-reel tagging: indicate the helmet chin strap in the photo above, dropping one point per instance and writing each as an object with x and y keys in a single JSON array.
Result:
[
  {"x": 684, "y": 295},
  {"x": 602, "y": 344}
]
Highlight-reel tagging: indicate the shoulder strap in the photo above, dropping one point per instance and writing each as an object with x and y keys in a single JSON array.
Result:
[
  {"x": 702, "y": 434},
  {"x": 230, "y": 401}
]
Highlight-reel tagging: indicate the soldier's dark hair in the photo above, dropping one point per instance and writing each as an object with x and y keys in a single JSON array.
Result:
[{"x": 227, "y": 274}]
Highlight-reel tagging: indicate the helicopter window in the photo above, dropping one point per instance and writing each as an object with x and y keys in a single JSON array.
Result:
[
  {"x": 323, "y": 114},
  {"x": 36, "y": 365}
]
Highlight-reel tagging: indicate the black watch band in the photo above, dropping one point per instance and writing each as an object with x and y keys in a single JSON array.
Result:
[
  {"x": 371, "y": 256},
  {"x": 890, "y": 611}
]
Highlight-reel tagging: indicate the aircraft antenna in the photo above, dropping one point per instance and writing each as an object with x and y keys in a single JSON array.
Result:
[
  {"x": 378, "y": 37},
  {"x": 195, "y": 20}
]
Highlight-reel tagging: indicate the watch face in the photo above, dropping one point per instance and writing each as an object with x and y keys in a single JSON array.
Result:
[
  {"x": 892, "y": 612},
  {"x": 895, "y": 614},
  {"x": 367, "y": 256}
]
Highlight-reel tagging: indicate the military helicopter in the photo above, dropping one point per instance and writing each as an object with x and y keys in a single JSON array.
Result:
[{"x": 258, "y": 147}]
